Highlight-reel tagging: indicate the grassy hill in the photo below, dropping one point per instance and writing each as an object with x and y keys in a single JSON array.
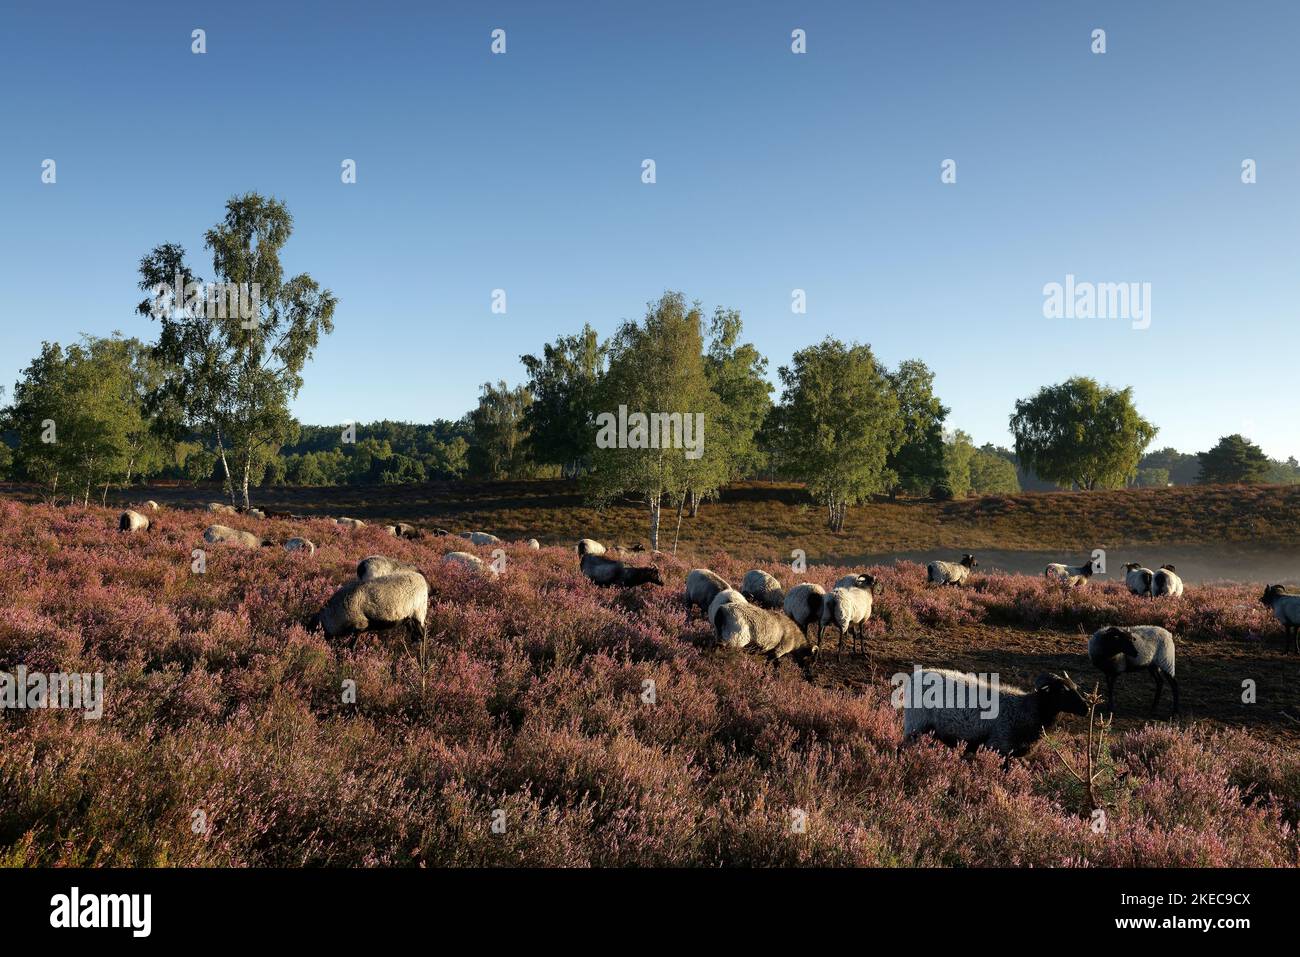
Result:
[{"x": 768, "y": 520}]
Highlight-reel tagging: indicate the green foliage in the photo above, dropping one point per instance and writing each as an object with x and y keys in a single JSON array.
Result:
[
  {"x": 837, "y": 425},
  {"x": 958, "y": 453},
  {"x": 1151, "y": 478},
  {"x": 737, "y": 374},
  {"x": 77, "y": 416},
  {"x": 1182, "y": 467},
  {"x": 498, "y": 432},
  {"x": 1234, "y": 460},
  {"x": 227, "y": 378},
  {"x": 1080, "y": 433},
  {"x": 919, "y": 461},
  {"x": 656, "y": 366},
  {"x": 992, "y": 473},
  {"x": 563, "y": 384}
]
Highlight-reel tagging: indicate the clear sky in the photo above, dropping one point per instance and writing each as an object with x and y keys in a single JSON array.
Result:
[{"x": 775, "y": 171}]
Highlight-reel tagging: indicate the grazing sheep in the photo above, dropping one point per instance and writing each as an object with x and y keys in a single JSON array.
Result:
[
  {"x": 847, "y": 607},
  {"x": 440, "y": 531},
  {"x": 467, "y": 559},
  {"x": 376, "y": 604},
  {"x": 803, "y": 604},
  {"x": 278, "y": 513},
  {"x": 1137, "y": 578},
  {"x": 1117, "y": 650},
  {"x": 1021, "y": 716},
  {"x": 589, "y": 546},
  {"x": 1286, "y": 608},
  {"x": 151, "y": 505},
  {"x": 222, "y": 535},
  {"x": 481, "y": 538},
  {"x": 297, "y": 544},
  {"x": 220, "y": 509},
  {"x": 534, "y": 544},
  {"x": 376, "y": 566},
  {"x": 607, "y": 571},
  {"x": 390, "y": 530},
  {"x": 951, "y": 573},
  {"x": 1071, "y": 576},
  {"x": 723, "y": 598},
  {"x": 762, "y": 589},
  {"x": 742, "y": 625},
  {"x": 353, "y": 523},
  {"x": 406, "y": 530},
  {"x": 1166, "y": 582},
  {"x": 132, "y": 522},
  {"x": 255, "y": 512},
  {"x": 702, "y": 586}
]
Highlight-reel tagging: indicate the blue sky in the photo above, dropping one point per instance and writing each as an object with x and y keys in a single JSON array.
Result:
[{"x": 775, "y": 171}]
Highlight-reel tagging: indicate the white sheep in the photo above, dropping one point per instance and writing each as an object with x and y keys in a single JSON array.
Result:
[
  {"x": 1071, "y": 576},
  {"x": 702, "y": 586},
  {"x": 376, "y": 566},
  {"x": 480, "y": 538},
  {"x": 353, "y": 523},
  {"x": 151, "y": 505},
  {"x": 467, "y": 559},
  {"x": 951, "y": 573},
  {"x": 1166, "y": 582},
  {"x": 297, "y": 544},
  {"x": 589, "y": 546},
  {"x": 723, "y": 598},
  {"x": 848, "y": 607},
  {"x": 1286, "y": 609},
  {"x": 762, "y": 589},
  {"x": 742, "y": 625},
  {"x": 220, "y": 509},
  {"x": 390, "y": 530},
  {"x": 534, "y": 544},
  {"x": 223, "y": 535},
  {"x": 376, "y": 604},
  {"x": 803, "y": 604},
  {"x": 1136, "y": 647},
  {"x": 132, "y": 521},
  {"x": 1137, "y": 578},
  {"x": 965, "y": 709}
]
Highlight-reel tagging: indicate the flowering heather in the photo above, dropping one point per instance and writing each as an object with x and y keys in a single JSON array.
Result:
[{"x": 548, "y": 722}]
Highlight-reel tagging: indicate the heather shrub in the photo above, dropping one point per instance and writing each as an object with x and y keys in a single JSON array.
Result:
[{"x": 547, "y": 722}]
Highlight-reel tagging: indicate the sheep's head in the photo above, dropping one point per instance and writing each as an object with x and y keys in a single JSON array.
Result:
[
  {"x": 1132, "y": 566},
  {"x": 652, "y": 575},
  {"x": 1059, "y": 693},
  {"x": 1271, "y": 593},
  {"x": 969, "y": 561},
  {"x": 1168, "y": 568}
]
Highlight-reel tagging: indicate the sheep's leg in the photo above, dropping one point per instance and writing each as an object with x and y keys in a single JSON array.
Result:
[
  {"x": 1173, "y": 685},
  {"x": 1160, "y": 686}
]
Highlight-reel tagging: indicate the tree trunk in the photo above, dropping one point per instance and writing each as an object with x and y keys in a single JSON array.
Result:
[
  {"x": 680, "y": 506},
  {"x": 225, "y": 468},
  {"x": 656, "y": 504},
  {"x": 695, "y": 503},
  {"x": 248, "y": 468}
]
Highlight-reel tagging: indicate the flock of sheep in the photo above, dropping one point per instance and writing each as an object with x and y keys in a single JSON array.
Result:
[{"x": 764, "y": 617}]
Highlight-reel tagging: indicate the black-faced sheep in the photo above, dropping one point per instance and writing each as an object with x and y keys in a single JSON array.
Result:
[
  {"x": 742, "y": 625},
  {"x": 803, "y": 604},
  {"x": 964, "y": 709},
  {"x": 1116, "y": 650},
  {"x": 1166, "y": 582},
  {"x": 1071, "y": 576},
  {"x": 723, "y": 598},
  {"x": 1137, "y": 578},
  {"x": 848, "y": 607},
  {"x": 297, "y": 544},
  {"x": 224, "y": 535},
  {"x": 951, "y": 573},
  {"x": 762, "y": 589},
  {"x": 376, "y": 604},
  {"x": 608, "y": 571},
  {"x": 1286, "y": 609},
  {"x": 132, "y": 521},
  {"x": 702, "y": 586},
  {"x": 405, "y": 530},
  {"x": 376, "y": 566}
]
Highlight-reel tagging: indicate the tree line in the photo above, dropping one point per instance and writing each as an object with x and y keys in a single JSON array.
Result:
[{"x": 209, "y": 399}]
